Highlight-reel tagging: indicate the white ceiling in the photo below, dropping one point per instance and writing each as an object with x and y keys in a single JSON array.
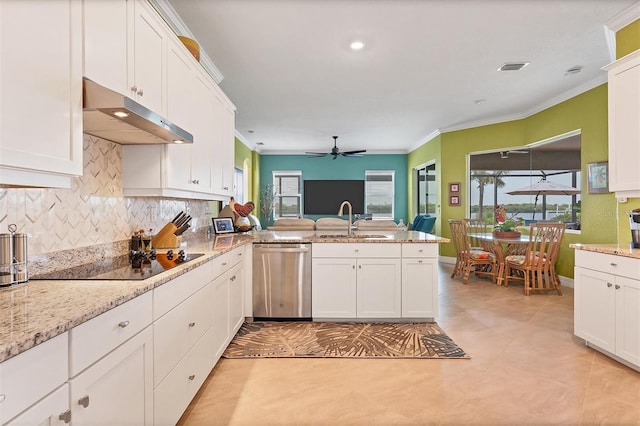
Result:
[{"x": 288, "y": 68}]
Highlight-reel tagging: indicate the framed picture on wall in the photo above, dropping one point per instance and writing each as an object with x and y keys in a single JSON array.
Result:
[
  {"x": 598, "y": 177},
  {"x": 454, "y": 187},
  {"x": 454, "y": 200}
]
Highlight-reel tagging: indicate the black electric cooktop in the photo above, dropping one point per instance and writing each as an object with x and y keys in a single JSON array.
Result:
[{"x": 134, "y": 266}]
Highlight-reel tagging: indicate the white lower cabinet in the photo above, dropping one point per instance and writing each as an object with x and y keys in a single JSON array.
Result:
[
  {"x": 374, "y": 280},
  {"x": 118, "y": 389},
  {"x": 227, "y": 308},
  {"x": 52, "y": 410},
  {"x": 419, "y": 281},
  {"x": 174, "y": 393},
  {"x": 607, "y": 303},
  {"x": 236, "y": 299},
  {"x": 29, "y": 378},
  {"x": 356, "y": 280}
]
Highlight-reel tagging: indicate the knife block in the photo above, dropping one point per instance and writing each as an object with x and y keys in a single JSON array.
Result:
[{"x": 165, "y": 238}]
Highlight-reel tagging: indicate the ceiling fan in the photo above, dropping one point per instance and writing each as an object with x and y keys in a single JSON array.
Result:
[{"x": 335, "y": 151}]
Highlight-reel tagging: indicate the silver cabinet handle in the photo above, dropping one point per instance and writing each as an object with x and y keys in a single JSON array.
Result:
[
  {"x": 617, "y": 287},
  {"x": 191, "y": 377},
  {"x": 65, "y": 417},
  {"x": 420, "y": 251},
  {"x": 354, "y": 267},
  {"x": 224, "y": 263},
  {"x": 359, "y": 266},
  {"x": 419, "y": 261},
  {"x": 134, "y": 88},
  {"x": 196, "y": 181},
  {"x": 123, "y": 324},
  {"x": 613, "y": 264},
  {"x": 609, "y": 284},
  {"x": 233, "y": 278},
  {"x": 192, "y": 324},
  {"x": 140, "y": 92},
  {"x": 84, "y": 401},
  {"x": 2, "y": 397}
]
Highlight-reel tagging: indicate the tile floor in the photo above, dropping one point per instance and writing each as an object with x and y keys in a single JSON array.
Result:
[{"x": 526, "y": 367}]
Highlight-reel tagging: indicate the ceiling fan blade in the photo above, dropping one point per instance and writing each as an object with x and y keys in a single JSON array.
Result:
[
  {"x": 346, "y": 154},
  {"x": 335, "y": 156},
  {"x": 317, "y": 154},
  {"x": 354, "y": 152}
]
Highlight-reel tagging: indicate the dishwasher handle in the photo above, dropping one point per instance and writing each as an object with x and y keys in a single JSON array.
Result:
[{"x": 282, "y": 250}]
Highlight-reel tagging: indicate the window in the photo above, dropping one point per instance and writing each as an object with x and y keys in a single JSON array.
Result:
[
  {"x": 379, "y": 193},
  {"x": 238, "y": 185},
  {"x": 287, "y": 187},
  {"x": 426, "y": 196}
]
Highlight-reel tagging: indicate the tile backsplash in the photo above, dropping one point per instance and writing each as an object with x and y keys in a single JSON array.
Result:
[{"x": 94, "y": 211}]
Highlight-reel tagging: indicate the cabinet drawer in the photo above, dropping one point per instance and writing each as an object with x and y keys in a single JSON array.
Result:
[
  {"x": 419, "y": 250},
  {"x": 356, "y": 250},
  {"x": 170, "y": 294},
  {"x": 26, "y": 378},
  {"x": 177, "y": 331},
  {"x": 608, "y": 263},
  {"x": 175, "y": 392},
  {"x": 95, "y": 338},
  {"x": 224, "y": 262}
]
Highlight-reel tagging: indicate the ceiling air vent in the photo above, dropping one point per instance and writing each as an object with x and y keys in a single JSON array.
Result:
[{"x": 513, "y": 66}]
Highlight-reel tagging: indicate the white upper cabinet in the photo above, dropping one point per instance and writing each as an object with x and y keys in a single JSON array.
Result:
[
  {"x": 41, "y": 86},
  {"x": 624, "y": 125},
  {"x": 105, "y": 43},
  {"x": 146, "y": 56}
]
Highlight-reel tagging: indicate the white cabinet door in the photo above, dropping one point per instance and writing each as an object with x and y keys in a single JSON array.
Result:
[
  {"x": 118, "y": 389},
  {"x": 236, "y": 299},
  {"x": 379, "y": 288},
  {"x": 628, "y": 319},
  {"x": 52, "y": 410},
  {"x": 419, "y": 288},
  {"x": 177, "y": 331},
  {"x": 220, "y": 312},
  {"x": 624, "y": 125},
  {"x": 595, "y": 304},
  {"x": 147, "y": 57},
  {"x": 175, "y": 392},
  {"x": 202, "y": 150},
  {"x": 334, "y": 289},
  {"x": 227, "y": 148},
  {"x": 105, "y": 43},
  {"x": 41, "y": 87}
]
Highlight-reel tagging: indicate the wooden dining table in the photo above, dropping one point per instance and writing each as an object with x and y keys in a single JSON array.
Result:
[{"x": 501, "y": 247}]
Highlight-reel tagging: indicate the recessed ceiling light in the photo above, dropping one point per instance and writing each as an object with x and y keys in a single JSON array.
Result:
[
  {"x": 356, "y": 45},
  {"x": 250, "y": 131},
  {"x": 479, "y": 101},
  {"x": 260, "y": 143},
  {"x": 513, "y": 66}
]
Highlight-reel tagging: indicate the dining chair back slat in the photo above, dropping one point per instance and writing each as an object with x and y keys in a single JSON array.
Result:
[
  {"x": 483, "y": 262},
  {"x": 537, "y": 266}
]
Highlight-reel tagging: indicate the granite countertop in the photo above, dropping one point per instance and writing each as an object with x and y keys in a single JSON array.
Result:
[
  {"x": 615, "y": 249},
  {"x": 36, "y": 311}
]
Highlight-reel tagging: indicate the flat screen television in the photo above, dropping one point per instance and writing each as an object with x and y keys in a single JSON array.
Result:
[{"x": 325, "y": 196}]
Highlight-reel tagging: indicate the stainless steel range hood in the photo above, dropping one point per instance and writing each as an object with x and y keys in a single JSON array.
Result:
[{"x": 117, "y": 118}]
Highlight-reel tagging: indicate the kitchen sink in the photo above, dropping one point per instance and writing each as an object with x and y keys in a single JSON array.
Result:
[{"x": 357, "y": 236}]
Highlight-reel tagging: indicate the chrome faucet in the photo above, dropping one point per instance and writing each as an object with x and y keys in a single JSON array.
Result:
[{"x": 340, "y": 213}]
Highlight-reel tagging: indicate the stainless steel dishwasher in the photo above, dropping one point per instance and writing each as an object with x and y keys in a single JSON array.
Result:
[{"x": 281, "y": 281}]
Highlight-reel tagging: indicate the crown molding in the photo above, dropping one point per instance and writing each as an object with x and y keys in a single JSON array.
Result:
[
  {"x": 244, "y": 141},
  {"x": 624, "y": 18},
  {"x": 369, "y": 152},
  {"x": 175, "y": 22},
  {"x": 424, "y": 140}
]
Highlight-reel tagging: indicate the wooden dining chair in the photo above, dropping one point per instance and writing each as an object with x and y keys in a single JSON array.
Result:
[
  {"x": 536, "y": 267},
  {"x": 483, "y": 262},
  {"x": 477, "y": 226}
]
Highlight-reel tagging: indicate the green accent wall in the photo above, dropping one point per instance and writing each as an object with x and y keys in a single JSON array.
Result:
[
  {"x": 586, "y": 112},
  {"x": 341, "y": 168},
  {"x": 628, "y": 39}
]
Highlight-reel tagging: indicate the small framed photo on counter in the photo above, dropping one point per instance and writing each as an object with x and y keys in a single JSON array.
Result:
[{"x": 222, "y": 225}]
